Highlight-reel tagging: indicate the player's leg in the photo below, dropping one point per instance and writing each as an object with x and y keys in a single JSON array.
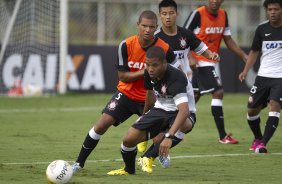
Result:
[
  {"x": 253, "y": 118},
  {"x": 271, "y": 125},
  {"x": 217, "y": 112},
  {"x": 146, "y": 127},
  {"x": 258, "y": 100},
  {"x": 129, "y": 151},
  {"x": 209, "y": 82},
  {"x": 92, "y": 138},
  {"x": 113, "y": 114}
]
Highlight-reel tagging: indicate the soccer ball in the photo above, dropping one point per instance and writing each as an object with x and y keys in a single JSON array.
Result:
[{"x": 59, "y": 172}]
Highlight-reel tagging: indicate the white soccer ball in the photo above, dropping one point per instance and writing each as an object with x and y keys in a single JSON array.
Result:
[{"x": 59, "y": 172}]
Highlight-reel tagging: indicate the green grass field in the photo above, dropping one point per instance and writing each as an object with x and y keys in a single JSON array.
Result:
[{"x": 36, "y": 131}]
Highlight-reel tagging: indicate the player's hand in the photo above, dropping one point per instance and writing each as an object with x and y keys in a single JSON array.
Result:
[
  {"x": 242, "y": 76},
  {"x": 215, "y": 56},
  {"x": 164, "y": 147}
]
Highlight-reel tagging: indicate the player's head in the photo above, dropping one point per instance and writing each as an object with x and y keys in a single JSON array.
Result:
[
  {"x": 156, "y": 62},
  {"x": 167, "y": 3},
  {"x": 268, "y": 2},
  {"x": 273, "y": 10},
  {"x": 147, "y": 25},
  {"x": 214, "y": 5},
  {"x": 168, "y": 12},
  {"x": 148, "y": 14}
]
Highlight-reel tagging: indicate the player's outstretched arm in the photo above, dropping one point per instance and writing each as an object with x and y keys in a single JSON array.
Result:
[
  {"x": 253, "y": 55},
  {"x": 231, "y": 45}
]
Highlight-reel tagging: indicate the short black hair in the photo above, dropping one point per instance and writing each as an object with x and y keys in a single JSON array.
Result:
[
  {"x": 267, "y": 2},
  {"x": 156, "y": 52},
  {"x": 167, "y": 3},
  {"x": 148, "y": 14}
]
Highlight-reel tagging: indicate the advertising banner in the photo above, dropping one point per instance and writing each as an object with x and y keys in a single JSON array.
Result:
[{"x": 93, "y": 69}]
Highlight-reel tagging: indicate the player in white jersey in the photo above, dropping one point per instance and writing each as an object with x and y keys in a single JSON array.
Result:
[{"x": 267, "y": 89}]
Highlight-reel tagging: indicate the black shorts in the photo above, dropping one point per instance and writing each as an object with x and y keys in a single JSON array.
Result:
[
  {"x": 120, "y": 107},
  {"x": 265, "y": 89},
  {"x": 206, "y": 80},
  {"x": 155, "y": 121}
]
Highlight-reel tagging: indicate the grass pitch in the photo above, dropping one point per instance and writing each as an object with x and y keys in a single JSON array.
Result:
[{"x": 36, "y": 131}]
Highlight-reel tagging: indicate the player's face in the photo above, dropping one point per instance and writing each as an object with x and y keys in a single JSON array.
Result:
[
  {"x": 168, "y": 16},
  {"x": 155, "y": 67},
  {"x": 147, "y": 28},
  {"x": 214, "y": 5},
  {"x": 274, "y": 13}
]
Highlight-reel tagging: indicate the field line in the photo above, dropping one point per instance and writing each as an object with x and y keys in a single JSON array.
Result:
[
  {"x": 175, "y": 157},
  {"x": 64, "y": 109}
]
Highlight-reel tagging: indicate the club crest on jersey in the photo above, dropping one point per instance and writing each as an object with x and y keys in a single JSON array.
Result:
[
  {"x": 163, "y": 89},
  {"x": 112, "y": 105},
  {"x": 183, "y": 42}
]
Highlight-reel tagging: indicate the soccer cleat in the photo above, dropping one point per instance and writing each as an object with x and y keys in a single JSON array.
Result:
[
  {"x": 228, "y": 140},
  {"x": 165, "y": 161},
  {"x": 142, "y": 146},
  {"x": 254, "y": 145},
  {"x": 76, "y": 167},
  {"x": 261, "y": 148},
  {"x": 140, "y": 161},
  {"x": 147, "y": 164},
  {"x": 118, "y": 172}
]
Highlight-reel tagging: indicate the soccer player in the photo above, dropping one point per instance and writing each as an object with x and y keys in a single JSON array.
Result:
[
  {"x": 181, "y": 40},
  {"x": 267, "y": 88},
  {"x": 168, "y": 86},
  {"x": 210, "y": 24},
  {"x": 130, "y": 95}
]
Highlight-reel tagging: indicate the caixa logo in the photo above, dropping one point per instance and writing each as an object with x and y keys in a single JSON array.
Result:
[
  {"x": 273, "y": 45},
  {"x": 136, "y": 64},
  {"x": 43, "y": 72}
]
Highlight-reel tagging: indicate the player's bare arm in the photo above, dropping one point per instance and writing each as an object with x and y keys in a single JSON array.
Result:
[
  {"x": 130, "y": 76},
  {"x": 150, "y": 101},
  {"x": 231, "y": 45},
  {"x": 249, "y": 64},
  {"x": 182, "y": 115}
]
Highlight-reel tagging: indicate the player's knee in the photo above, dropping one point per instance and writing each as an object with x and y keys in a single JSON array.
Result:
[
  {"x": 187, "y": 126},
  {"x": 218, "y": 94},
  {"x": 104, "y": 123},
  {"x": 253, "y": 112},
  {"x": 197, "y": 96},
  {"x": 274, "y": 106}
]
